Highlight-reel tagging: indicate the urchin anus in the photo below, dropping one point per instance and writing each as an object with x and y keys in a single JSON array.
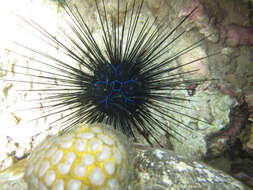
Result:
[{"x": 128, "y": 80}]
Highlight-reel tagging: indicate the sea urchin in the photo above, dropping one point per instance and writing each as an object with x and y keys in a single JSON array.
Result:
[{"x": 127, "y": 81}]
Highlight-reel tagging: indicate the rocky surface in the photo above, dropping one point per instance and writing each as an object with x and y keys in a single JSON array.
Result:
[{"x": 161, "y": 169}]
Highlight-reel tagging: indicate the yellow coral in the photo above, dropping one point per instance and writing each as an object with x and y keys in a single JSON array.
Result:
[{"x": 89, "y": 158}]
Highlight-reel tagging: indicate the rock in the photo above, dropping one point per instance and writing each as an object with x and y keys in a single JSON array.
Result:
[
  {"x": 162, "y": 169},
  {"x": 239, "y": 35},
  {"x": 201, "y": 20},
  {"x": 194, "y": 61},
  {"x": 211, "y": 107},
  {"x": 12, "y": 178},
  {"x": 246, "y": 138},
  {"x": 14, "y": 185}
]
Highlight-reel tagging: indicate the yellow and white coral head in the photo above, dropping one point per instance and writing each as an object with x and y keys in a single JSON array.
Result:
[{"x": 90, "y": 158}]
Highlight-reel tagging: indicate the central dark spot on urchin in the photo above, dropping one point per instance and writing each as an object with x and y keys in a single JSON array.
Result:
[{"x": 117, "y": 88}]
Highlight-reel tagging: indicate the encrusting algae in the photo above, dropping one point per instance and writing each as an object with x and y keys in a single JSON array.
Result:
[{"x": 88, "y": 158}]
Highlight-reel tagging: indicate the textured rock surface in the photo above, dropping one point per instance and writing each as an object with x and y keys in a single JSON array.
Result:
[
  {"x": 210, "y": 106},
  {"x": 12, "y": 178},
  {"x": 14, "y": 185},
  {"x": 247, "y": 139},
  {"x": 161, "y": 169}
]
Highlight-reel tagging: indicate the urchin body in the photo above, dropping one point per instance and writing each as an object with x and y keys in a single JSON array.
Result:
[{"x": 116, "y": 88}]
